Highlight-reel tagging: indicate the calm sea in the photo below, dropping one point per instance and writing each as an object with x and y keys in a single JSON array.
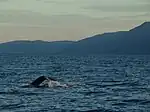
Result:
[{"x": 99, "y": 83}]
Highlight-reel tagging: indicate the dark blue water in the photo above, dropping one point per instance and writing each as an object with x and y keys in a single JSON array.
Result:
[{"x": 99, "y": 83}]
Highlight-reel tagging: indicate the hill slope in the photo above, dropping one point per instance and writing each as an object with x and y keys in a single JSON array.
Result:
[
  {"x": 134, "y": 41},
  {"x": 34, "y": 46}
]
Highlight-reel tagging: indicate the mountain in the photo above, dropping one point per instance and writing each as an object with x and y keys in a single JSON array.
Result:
[
  {"x": 134, "y": 41},
  {"x": 37, "y": 46}
]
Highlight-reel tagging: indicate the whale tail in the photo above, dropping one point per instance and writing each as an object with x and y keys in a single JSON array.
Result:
[
  {"x": 43, "y": 81},
  {"x": 50, "y": 78},
  {"x": 38, "y": 81}
]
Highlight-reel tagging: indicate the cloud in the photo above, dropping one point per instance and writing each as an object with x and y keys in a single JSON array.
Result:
[
  {"x": 134, "y": 8},
  {"x": 68, "y": 19},
  {"x": 3, "y": 0},
  {"x": 92, "y": 8},
  {"x": 58, "y": 27}
]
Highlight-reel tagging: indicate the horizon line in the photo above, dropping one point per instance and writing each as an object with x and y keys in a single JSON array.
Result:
[{"x": 49, "y": 41}]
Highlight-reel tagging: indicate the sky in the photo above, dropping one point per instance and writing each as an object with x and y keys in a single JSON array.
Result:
[{"x": 54, "y": 20}]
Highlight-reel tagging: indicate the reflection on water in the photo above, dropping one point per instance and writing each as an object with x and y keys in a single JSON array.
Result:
[{"x": 100, "y": 83}]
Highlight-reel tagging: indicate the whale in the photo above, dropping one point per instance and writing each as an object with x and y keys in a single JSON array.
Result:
[{"x": 44, "y": 81}]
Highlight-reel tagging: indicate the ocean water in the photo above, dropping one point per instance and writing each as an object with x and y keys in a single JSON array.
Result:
[{"x": 99, "y": 83}]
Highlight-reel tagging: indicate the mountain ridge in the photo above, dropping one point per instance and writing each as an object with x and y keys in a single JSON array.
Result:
[{"x": 133, "y": 41}]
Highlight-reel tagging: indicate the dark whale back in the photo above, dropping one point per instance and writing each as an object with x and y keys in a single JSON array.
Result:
[
  {"x": 38, "y": 81},
  {"x": 50, "y": 78}
]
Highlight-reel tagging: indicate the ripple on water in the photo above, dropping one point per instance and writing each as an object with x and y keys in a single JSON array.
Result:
[{"x": 99, "y": 83}]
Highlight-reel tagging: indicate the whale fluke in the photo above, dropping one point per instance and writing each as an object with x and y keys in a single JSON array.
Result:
[
  {"x": 38, "y": 81},
  {"x": 44, "y": 81}
]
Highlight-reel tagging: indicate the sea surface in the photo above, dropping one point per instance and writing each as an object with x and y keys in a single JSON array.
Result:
[{"x": 98, "y": 83}]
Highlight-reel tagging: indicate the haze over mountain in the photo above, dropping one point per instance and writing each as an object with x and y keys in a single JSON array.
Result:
[
  {"x": 134, "y": 41},
  {"x": 37, "y": 46}
]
